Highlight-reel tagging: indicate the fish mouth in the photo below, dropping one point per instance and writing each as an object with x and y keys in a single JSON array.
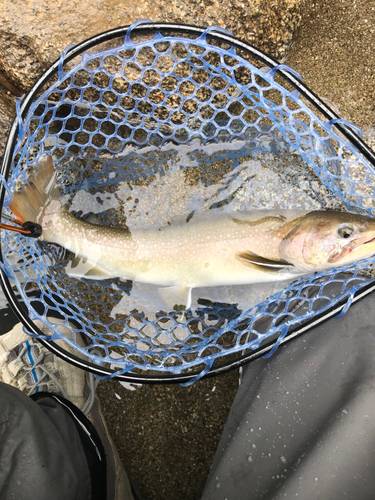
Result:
[
  {"x": 368, "y": 245},
  {"x": 354, "y": 246},
  {"x": 358, "y": 243},
  {"x": 369, "y": 241}
]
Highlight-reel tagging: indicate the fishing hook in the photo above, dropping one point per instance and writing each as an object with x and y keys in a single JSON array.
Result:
[{"x": 30, "y": 229}]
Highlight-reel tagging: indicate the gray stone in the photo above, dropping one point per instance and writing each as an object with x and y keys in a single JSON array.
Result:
[
  {"x": 7, "y": 107},
  {"x": 32, "y": 38}
]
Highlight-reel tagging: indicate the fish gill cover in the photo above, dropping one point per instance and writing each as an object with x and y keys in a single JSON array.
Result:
[{"x": 159, "y": 123}]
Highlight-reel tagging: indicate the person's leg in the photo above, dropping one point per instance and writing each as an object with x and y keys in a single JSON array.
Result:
[
  {"x": 50, "y": 428},
  {"x": 41, "y": 454},
  {"x": 301, "y": 425}
]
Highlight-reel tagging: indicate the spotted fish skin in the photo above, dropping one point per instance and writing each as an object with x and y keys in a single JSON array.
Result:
[{"x": 200, "y": 250}]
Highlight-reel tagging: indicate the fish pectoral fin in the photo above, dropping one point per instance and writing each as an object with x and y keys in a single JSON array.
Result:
[
  {"x": 262, "y": 264},
  {"x": 84, "y": 268},
  {"x": 176, "y": 296}
]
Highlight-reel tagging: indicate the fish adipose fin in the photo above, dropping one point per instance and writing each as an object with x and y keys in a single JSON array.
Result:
[
  {"x": 176, "y": 296},
  {"x": 83, "y": 268},
  {"x": 261, "y": 264},
  {"x": 39, "y": 190}
]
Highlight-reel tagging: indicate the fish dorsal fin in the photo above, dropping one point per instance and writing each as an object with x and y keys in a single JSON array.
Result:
[
  {"x": 175, "y": 296},
  {"x": 83, "y": 268},
  {"x": 262, "y": 264}
]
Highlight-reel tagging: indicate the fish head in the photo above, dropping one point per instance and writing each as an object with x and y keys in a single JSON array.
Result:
[{"x": 323, "y": 240}]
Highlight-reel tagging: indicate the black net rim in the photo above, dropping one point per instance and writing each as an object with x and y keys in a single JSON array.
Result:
[{"x": 216, "y": 34}]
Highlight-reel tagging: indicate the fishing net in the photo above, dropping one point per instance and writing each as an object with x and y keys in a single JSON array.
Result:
[{"x": 153, "y": 122}]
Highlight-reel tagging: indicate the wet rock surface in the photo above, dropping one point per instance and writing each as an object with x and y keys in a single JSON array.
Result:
[
  {"x": 34, "y": 33},
  {"x": 7, "y": 107}
]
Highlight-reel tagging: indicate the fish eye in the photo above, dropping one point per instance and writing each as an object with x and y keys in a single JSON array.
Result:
[{"x": 345, "y": 231}]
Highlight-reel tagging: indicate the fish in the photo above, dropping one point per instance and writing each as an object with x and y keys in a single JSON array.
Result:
[{"x": 200, "y": 250}]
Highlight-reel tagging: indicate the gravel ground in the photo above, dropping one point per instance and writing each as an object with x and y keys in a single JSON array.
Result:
[{"x": 167, "y": 435}]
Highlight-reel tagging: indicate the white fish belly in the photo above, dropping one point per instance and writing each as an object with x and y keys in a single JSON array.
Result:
[{"x": 207, "y": 272}]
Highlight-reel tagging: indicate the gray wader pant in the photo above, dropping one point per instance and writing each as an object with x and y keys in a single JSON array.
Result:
[
  {"x": 301, "y": 426},
  {"x": 48, "y": 449}
]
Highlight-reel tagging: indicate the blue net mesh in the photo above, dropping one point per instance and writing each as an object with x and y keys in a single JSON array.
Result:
[{"x": 150, "y": 127}]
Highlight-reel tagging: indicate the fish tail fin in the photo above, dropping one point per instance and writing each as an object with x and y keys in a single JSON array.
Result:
[{"x": 41, "y": 188}]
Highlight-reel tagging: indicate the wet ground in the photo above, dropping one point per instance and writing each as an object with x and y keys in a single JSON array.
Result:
[{"x": 167, "y": 435}]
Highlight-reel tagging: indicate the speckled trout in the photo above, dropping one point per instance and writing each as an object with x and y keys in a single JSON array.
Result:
[{"x": 201, "y": 250}]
